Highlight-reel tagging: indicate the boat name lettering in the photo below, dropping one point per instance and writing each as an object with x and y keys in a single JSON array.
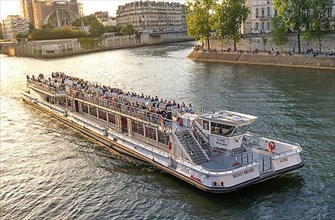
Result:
[
  {"x": 221, "y": 141},
  {"x": 284, "y": 159},
  {"x": 184, "y": 169},
  {"x": 194, "y": 175},
  {"x": 245, "y": 172}
]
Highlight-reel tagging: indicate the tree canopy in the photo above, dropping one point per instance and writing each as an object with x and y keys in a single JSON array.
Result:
[
  {"x": 86, "y": 20},
  {"x": 128, "y": 30},
  {"x": 1, "y": 34},
  {"x": 199, "y": 19},
  {"x": 294, "y": 14},
  {"x": 96, "y": 28},
  {"x": 228, "y": 17},
  {"x": 56, "y": 33},
  {"x": 318, "y": 22},
  {"x": 278, "y": 31}
]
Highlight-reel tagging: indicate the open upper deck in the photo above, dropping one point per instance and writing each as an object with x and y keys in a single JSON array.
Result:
[{"x": 229, "y": 118}]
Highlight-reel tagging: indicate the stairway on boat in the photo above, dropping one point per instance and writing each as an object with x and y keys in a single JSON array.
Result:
[{"x": 192, "y": 147}]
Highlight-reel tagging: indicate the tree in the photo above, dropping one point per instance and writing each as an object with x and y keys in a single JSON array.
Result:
[
  {"x": 96, "y": 29},
  {"x": 48, "y": 26},
  {"x": 128, "y": 30},
  {"x": 86, "y": 20},
  {"x": 228, "y": 16},
  {"x": 264, "y": 40},
  {"x": 199, "y": 16},
  {"x": 278, "y": 31},
  {"x": 1, "y": 34},
  {"x": 31, "y": 27},
  {"x": 318, "y": 20},
  {"x": 294, "y": 14}
]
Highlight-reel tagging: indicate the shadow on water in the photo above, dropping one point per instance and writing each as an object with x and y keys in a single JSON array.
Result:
[{"x": 229, "y": 204}]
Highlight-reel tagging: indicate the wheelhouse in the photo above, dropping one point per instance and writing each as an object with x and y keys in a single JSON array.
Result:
[{"x": 225, "y": 128}]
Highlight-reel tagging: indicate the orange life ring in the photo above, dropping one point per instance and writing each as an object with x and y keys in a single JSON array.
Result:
[{"x": 271, "y": 145}]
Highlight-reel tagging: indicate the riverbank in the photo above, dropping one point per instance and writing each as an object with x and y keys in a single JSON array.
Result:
[
  {"x": 263, "y": 58},
  {"x": 69, "y": 47}
]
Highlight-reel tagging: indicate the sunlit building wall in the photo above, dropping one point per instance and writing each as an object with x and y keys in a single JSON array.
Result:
[
  {"x": 153, "y": 16},
  {"x": 27, "y": 11},
  {"x": 14, "y": 25},
  {"x": 57, "y": 12}
]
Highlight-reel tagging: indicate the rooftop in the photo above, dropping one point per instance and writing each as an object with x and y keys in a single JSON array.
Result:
[{"x": 229, "y": 118}]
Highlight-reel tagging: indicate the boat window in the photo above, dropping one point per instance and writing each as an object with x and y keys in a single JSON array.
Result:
[
  {"x": 220, "y": 129},
  {"x": 241, "y": 130},
  {"x": 205, "y": 125}
]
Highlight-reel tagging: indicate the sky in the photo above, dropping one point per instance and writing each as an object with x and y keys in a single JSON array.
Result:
[{"x": 12, "y": 7}]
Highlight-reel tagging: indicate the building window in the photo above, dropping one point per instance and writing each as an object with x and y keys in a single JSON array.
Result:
[
  {"x": 256, "y": 26},
  {"x": 257, "y": 12},
  {"x": 268, "y": 25},
  {"x": 262, "y": 12},
  {"x": 268, "y": 1},
  {"x": 268, "y": 11}
]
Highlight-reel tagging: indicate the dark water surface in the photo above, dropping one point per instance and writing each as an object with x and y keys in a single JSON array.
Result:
[{"x": 50, "y": 171}]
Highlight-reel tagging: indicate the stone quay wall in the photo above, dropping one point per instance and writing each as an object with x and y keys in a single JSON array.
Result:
[
  {"x": 68, "y": 47},
  {"x": 255, "y": 41},
  {"x": 264, "y": 58}
]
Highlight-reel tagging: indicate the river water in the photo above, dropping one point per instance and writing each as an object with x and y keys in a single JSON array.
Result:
[{"x": 50, "y": 171}]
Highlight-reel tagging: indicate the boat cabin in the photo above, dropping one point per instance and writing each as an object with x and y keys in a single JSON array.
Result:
[{"x": 225, "y": 129}]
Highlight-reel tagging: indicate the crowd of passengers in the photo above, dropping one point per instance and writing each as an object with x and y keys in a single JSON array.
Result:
[{"x": 77, "y": 87}]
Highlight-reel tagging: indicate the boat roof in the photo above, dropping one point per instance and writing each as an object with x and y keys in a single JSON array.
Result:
[{"x": 229, "y": 118}]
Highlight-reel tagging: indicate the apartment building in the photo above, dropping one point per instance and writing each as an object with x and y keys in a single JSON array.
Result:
[
  {"x": 14, "y": 25},
  {"x": 153, "y": 16}
]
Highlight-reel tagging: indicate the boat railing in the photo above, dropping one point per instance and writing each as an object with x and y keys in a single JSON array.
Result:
[
  {"x": 42, "y": 86},
  {"x": 125, "y": 109}
]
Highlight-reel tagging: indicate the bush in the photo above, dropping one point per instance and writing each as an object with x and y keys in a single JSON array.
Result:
[
  {"x": 90, "y": 43},
  {"x": 56, "y": 33}
]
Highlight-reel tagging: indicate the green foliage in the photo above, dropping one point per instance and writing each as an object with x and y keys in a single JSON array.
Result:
[
  {"x": 1, "y": 34},
  {"x": 278, "y": 31},
  {"x": 265, "y": 41},
  {"x": 56, "y": 33},
  {"x": 87, "y": 20},
  {"x": 294, "y": 14},
  {"x": 128, "y": 30},
  {"x": 199, "y": 18},
  {"x": 96, "y": 28},
  {"x": 31, "y": 27},
  {"x": 318, "y": 23},
  {"x": 112, "y": 29},
  {"x": 228, "y": 17},
  {"x": 48, "y": 26},
  {"x": 90, "y": 43},
  {"x": 20, "y": 36}
]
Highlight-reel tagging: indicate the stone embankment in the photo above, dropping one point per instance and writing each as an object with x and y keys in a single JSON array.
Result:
[
  {"x": 262, "y": 58},
  {"x": 68, "y": 47}
]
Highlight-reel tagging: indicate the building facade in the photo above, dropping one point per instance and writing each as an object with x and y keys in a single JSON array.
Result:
[
  {"x": 261, "y": 13},
  {"x": 27, "y": 10},
  {"x": 153, "y": 16},
  {"x": 14, "y": 25},
  {"x": 57, "y": 12},
  {"x": 259, "y": 19}
]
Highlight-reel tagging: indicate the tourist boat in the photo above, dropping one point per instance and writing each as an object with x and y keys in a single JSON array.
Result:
[{"x": 212, "y": 151}]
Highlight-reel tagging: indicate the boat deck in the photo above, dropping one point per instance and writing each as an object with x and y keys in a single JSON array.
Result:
[{"x": 226, "y": 160}]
